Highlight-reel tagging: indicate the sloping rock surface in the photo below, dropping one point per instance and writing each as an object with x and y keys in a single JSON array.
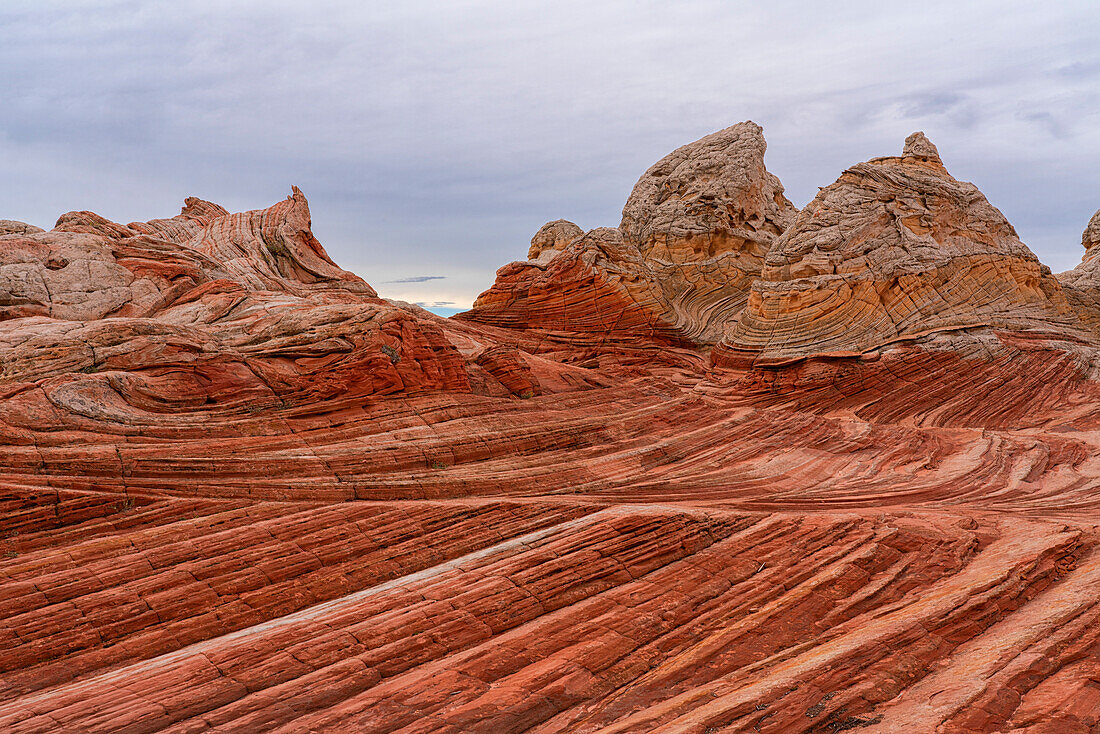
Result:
[{"x": 240, "y": 492}]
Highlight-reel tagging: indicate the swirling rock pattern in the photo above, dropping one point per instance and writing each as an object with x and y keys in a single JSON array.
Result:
[
  {"x": 693, "y": 236},
  {"x": 895, "y": 249},
  {"x": 242, "y": 493}
]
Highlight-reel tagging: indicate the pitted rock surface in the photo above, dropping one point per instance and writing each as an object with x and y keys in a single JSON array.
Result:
[
  {"x": 552, "y": 238},
  {"x": 11, "y": 226},
  {"x": 917, "y": 145},
  {"x": 708, "y": 198},
  {"x": 1090, "y": 239}
]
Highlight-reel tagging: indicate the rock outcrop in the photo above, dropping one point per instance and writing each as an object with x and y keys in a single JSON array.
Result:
[
  {"x": 11, "y": 226},
  {"x": 241, "y": 492},
  {"x": 917, "y": 145},
  {"x": 1082, "y": 284},
  {"x": 896, "y": 249},
  {"x": 1090, "y": 239},
  {"x": 693, "y": 236},
  {"x": 206, "y": 309},
  {"x": 710, "y": 198}
]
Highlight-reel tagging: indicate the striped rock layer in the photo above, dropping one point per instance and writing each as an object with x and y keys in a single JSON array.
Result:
[
  {"x": 241, "y": 493},
  {"x": 895, "y": 249}
]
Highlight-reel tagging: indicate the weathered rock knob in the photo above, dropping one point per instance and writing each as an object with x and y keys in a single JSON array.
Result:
[
  {"x": 918, "y": 145},
  {"x": 553, "y": 236}
]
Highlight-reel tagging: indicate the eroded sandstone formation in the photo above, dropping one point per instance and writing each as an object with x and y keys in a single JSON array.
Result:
[
  {"x": 11, "y": 226},
  {"x": 241, "y": 492},
  {"x": 1082, "y": 284},
  {"x": 894, "y": 250},
  {"x": 1090, "y": 239},
  {"x": 552, "y": 238},
  {"x": 693, "y": 236}
]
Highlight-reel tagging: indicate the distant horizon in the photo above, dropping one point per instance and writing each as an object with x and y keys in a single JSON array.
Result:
[{"x": 434, "y": 139}]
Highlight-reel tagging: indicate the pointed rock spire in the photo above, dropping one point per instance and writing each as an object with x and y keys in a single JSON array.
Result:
[
  {"x": 707, "y": 198},
  {"x": 693, "y": 237}
]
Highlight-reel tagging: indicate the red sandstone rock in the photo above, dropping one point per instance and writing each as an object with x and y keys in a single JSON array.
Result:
[{"x": 242, "y": 493}]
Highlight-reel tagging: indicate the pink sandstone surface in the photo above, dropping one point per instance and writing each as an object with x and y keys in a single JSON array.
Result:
[{"x": 243, "y": 493}]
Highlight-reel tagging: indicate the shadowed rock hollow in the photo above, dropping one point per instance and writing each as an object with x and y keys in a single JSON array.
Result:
[{"x": 241, "y": 492}]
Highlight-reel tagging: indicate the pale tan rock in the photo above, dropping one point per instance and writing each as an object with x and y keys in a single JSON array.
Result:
[
  {"x": 919, "y": 146},
  {"x": 78, "y": 275},
  {"x": 1082, "y": 284},
  {"x": 552, "y": 238},
  {"x": 1090, "y": 238},
  {"x": 708, "y": 198}
]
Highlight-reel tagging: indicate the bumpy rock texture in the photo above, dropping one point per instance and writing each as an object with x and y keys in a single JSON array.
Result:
[
  {"x": 240, "y": 492},
  {"x": 552, "y": 238},
  {"x": 693, "y": 237}
]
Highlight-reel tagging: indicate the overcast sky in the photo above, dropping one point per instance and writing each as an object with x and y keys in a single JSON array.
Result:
[{"x": 434, "y": 138}]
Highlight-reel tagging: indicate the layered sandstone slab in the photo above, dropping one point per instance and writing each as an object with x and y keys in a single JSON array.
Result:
[
  {"x": 585, "y": 620},
  {"x": 693, "y": 236},
  {"x": 896, "y": 249},
  {"x": 239, "y": 492}
]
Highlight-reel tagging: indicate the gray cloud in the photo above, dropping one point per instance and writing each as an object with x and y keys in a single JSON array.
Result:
[
  {"x": 417, "y": 279},
  {"x": 931, "y": 103},
  {"x": 448, "y": 132}
]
